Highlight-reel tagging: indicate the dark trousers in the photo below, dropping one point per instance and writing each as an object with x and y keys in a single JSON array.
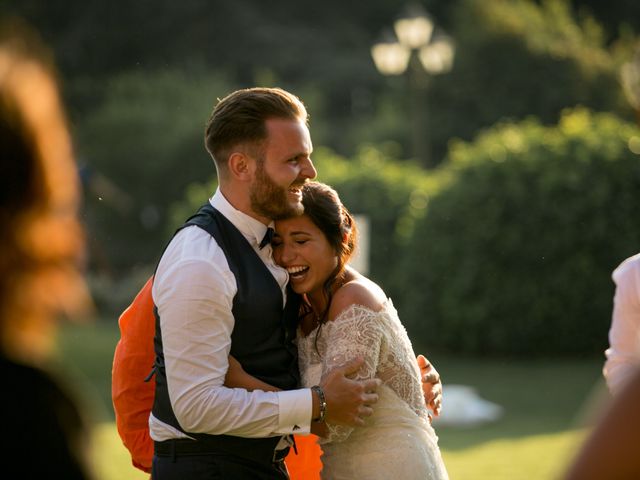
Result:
[
  {"x": 177, "y": 460},
  {"x": 212, "y": 467}
]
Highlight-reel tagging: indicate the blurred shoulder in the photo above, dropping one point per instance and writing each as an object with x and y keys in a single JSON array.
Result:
[{"x": 628, "y": 270}]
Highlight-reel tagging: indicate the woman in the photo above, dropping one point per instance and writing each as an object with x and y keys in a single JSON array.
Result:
[
  {"x": 41, "y": 243},
  {"x": 347, "y": 315}
]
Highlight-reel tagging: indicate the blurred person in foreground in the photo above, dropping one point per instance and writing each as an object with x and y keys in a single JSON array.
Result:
[
  {"x": 623, "y": 354},
  {"x": 41, "y": 243},
  {"x": 610, "y": 450}
]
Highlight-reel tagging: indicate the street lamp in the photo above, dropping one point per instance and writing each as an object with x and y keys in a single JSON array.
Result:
[{"x": 421, "y": 49}]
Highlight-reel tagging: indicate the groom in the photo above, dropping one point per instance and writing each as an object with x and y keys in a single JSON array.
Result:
[{"x": 217, "y": 291}]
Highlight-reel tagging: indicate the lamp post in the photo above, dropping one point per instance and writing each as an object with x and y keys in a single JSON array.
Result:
[{"x": 421, "y": 50}]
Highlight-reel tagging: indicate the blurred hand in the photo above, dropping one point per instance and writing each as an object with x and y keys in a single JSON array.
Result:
[{"x": 431, "y": 385}]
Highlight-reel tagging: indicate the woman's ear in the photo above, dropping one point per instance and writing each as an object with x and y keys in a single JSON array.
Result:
[
  {"x": 345, "y": 238},
  {"x": 241, "y": 166}
]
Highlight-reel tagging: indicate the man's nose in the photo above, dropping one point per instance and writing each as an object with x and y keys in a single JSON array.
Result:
[{"x": 308, "y": 170}]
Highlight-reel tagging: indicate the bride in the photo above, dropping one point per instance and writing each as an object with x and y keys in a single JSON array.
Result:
[{"x": 346, "y": 315}]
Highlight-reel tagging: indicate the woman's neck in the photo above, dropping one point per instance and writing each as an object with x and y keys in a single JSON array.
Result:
[{"x": 318, "y": 303}]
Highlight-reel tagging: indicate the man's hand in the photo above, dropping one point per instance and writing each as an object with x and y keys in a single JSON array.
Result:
[
  {"x": 431, "y": 385},
  {"x": 349, "y": 401}
]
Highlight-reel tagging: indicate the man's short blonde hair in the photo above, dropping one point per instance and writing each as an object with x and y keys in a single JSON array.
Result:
[{"x": 239, "y": 120}]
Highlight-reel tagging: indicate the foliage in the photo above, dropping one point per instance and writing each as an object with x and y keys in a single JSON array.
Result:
[
  {"x": 195, "y": 195},
  {"x": 139, "y": 147},
  {"x": 518, "y": 58},
  {"x": 516, "y": 253},
  {"x": 513, "y": 57},
  {"x": 614, "y": 16},
  {"x": 290, "y": 44},
  {"x": 112, "y": 296},
  {"x": 391, "y": 193}
]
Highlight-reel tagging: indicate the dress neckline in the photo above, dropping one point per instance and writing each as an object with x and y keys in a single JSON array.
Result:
[{"x": 354, "y": 306}]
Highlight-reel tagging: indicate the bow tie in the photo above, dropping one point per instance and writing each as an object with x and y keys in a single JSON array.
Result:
[{"x": 268, "y": 236}]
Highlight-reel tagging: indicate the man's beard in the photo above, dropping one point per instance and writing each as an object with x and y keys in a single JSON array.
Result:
[{"x": 271, "y": 200}]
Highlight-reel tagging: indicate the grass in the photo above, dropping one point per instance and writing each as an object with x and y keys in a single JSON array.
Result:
[
  {"x": 548, "y": 406},
  {"x": 110, "y": 460},
  {"x": 533, "y": 457}
]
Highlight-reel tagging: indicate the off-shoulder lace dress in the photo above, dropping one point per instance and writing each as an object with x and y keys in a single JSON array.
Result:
[{"x": 398, "y": 441}]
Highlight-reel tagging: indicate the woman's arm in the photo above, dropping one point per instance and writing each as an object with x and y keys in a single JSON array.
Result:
[
  {"x": 236, "y": 377},
  {"x": 355, "y": 333}
]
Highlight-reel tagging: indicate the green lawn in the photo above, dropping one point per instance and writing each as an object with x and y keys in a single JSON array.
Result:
[{"x": 547, "y": 405}]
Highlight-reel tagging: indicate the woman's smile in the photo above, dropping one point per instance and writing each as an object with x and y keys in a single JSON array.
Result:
[
  {"x": 297, "y": 272},
  {"x": 304, "y": 251}
]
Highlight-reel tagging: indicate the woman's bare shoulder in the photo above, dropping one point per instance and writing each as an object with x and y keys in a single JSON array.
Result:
[{"x": 358, "y": 291}]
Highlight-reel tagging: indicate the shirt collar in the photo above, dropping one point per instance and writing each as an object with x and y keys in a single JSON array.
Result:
[{"x": 253, "y": 230}]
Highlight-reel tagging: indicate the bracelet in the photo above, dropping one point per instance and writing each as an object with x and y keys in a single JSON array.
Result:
[{"x": 323, "y": 403}]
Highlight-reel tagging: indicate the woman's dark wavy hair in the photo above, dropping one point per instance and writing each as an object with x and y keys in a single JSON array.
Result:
[{"x": 325, "y": 209}]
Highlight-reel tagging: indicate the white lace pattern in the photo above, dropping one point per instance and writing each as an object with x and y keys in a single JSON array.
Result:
[{"x": 398, "y": 440}]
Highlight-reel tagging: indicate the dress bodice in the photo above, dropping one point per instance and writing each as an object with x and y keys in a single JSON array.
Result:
[
  {"x": 397, "y": 440},
  {"x": 379, "y": 337}
]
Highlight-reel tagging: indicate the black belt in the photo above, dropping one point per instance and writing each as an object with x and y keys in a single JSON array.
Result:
[{"x": 256, "y": 450}]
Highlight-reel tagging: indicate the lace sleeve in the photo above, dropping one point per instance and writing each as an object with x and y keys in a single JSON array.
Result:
[{"x": 356, "y": 331}]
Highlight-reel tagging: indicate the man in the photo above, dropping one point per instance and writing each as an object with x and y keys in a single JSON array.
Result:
[{"x": 215, "y": 295}]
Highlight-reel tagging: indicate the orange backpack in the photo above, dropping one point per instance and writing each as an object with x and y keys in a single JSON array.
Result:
[
  {"x": 132, "y": 396},
  {"x": 133, "y": 391}
]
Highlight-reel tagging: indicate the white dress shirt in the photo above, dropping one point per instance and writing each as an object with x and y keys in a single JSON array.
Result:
[
  {"x": 623, "y": 354},
  {"x": 194, "y": 290}
]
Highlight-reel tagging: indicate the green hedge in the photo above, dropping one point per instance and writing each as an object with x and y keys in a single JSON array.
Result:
[{"x": 515, "y": 254}]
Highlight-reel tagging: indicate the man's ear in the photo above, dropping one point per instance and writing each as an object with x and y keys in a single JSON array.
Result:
[{"x": 241, "y": 166}]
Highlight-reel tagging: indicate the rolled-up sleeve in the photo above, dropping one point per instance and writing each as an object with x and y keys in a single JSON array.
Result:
[{"x": 623, "y": 354}]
